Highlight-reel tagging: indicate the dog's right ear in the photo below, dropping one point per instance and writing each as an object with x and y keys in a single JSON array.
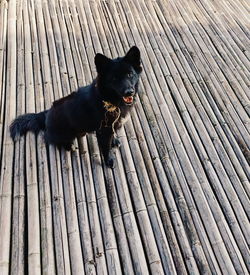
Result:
[
  {"x": 101, "y": 62},
  {"x": 133, "y": 57}
]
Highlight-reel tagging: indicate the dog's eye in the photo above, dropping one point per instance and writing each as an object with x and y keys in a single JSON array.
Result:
[{"x": 130, "y": 74}]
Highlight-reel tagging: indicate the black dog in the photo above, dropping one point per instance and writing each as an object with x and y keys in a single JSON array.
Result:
[{"x": 102, "y": 106}]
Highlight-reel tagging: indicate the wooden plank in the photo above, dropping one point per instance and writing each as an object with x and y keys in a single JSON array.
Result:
[
  {"x": 6, "y": 177},
  {"x": 3, "y": 56},
  {"x": 19, "y": 228},
  {"x": 47, "y": 244},
  {"x": 34, "y": 264}
]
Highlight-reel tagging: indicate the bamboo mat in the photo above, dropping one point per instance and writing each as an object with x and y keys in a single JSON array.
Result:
[{"x": 177, "y": 201}]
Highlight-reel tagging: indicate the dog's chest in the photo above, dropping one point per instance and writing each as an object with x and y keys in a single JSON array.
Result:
[
  {"x": 124, "y": 116},
  {"x": 123, "y": 119},
  {"x": 114, "y": 118}
]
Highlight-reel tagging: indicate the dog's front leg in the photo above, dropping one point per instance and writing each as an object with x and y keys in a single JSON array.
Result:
[{"x": 105, "y": 137}]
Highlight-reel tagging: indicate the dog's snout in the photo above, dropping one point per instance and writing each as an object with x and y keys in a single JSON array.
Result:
[{"x": 129, "y": 92}]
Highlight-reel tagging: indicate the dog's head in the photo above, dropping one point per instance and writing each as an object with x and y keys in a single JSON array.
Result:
[{"x": 118, "y": 78}]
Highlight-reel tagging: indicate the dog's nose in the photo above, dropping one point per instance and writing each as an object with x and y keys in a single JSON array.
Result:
[{"x": 129, "y": 92}]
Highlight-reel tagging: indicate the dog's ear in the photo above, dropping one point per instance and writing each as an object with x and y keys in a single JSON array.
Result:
[
  {"x": 101, "y": 62},
  {"x": 133, "y": 57}
]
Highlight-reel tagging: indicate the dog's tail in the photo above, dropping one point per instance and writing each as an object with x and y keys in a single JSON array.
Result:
[{"x": 28, "y": 122}]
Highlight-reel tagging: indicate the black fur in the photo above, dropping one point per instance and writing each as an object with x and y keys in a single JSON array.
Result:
[
  {"x": 28, "y": 122},
  {"x": 99, "y": 107}
]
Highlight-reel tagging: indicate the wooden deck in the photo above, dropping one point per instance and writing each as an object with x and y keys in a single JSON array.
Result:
[{"x": 178, "y": 200}]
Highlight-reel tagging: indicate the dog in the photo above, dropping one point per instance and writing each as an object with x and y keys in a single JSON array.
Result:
[{"x": 101, "y": 106}]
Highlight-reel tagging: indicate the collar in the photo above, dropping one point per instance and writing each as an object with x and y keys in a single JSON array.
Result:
[{"x": 109, "y": 106}]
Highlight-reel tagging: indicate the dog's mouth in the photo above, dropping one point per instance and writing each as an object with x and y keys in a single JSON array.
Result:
[{"x": 128, "y": 99}]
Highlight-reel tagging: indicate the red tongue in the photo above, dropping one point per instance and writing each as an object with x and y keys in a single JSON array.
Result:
[{"x": 128, "y": 99}]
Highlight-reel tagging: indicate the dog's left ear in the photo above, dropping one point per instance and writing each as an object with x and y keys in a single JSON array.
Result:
[
  {"x": 101, "y": 62},
  {"x": 133, "y": 57}
]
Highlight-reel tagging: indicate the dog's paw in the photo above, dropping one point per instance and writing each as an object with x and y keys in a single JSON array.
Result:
[
  {"x": 73, "y": 148},
  {"x": 110, "y": 162},
  {"x": 70, "y": 147},
  {"x": 116, "y": 142},
  {"x": 67, "y": 146}
]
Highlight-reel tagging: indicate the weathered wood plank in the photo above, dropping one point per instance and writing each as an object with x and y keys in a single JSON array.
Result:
[
  {"x": 19, "y": 228},
  {"x": 46, "y": 231},
  {"x": 6, "y": 177},
  {"x": 3, "y": 56},
  {"x": 34, "y": 250}
]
